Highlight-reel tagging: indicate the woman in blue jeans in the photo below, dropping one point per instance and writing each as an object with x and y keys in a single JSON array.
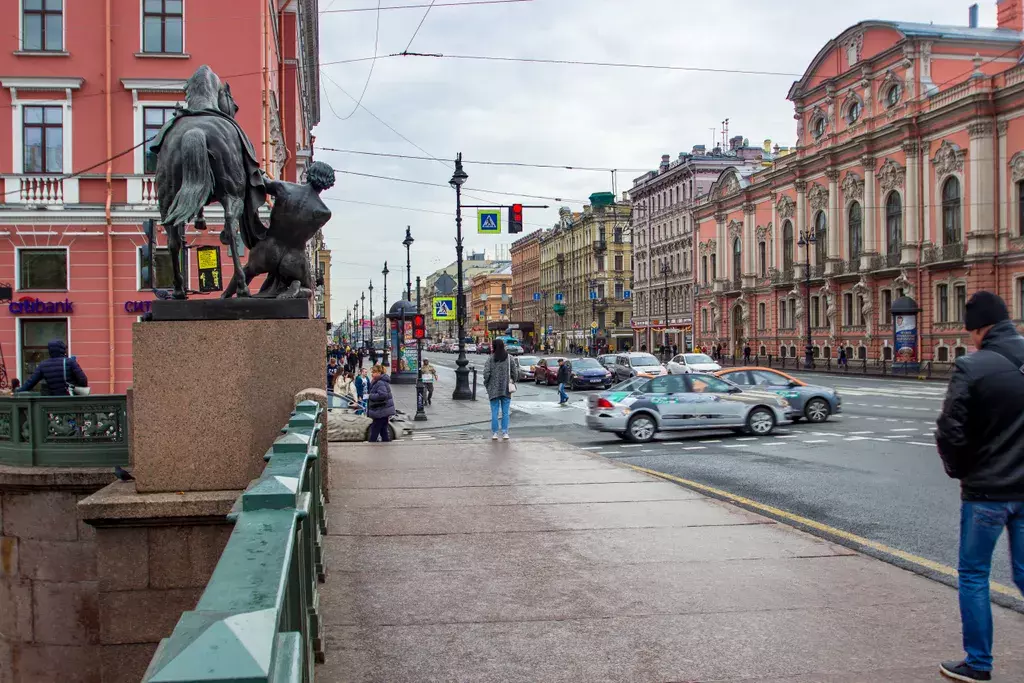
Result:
[{"x": 497, "y": 376}]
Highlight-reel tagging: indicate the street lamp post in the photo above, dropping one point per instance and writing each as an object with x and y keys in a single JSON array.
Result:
[
  {"x": 462, "y": 391},
  {"x": 362, "y": 316},
  {"x": 545, "y": 330},
  {"x": 807, "y": 238},
  {"x": 387, "y": 337},
  {"x": 371, "y": 313},
  {"x": 666, "y": 270},
  {"x": 359, "y": 324},
  {"x": 408, "y": 264},
  {"x": 593, "y": 316},
  {"x": 420, "y": 414}
]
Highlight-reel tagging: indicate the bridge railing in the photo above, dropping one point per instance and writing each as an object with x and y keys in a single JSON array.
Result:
[
  {"x": 258, "y": 619},
  {"x": 63, "y": 431}
]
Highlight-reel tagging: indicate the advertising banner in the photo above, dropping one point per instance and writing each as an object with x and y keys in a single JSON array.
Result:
[
  {"x": 209, "y": 269},
  {"x": 906, "y": 338}
]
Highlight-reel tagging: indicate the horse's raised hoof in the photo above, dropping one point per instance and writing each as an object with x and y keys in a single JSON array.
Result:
[{"x": 200, "y": 223}]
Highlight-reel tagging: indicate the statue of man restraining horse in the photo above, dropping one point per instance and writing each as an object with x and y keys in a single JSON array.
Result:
[{"x": 204, "y": 156}]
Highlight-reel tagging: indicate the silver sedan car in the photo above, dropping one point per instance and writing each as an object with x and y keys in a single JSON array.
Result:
[{"x": 640, "y": 408}]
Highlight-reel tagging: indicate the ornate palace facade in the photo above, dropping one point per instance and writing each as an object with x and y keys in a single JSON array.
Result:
[{"x": 908, "y": 180}]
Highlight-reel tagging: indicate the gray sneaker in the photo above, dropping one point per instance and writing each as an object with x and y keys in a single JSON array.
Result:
[{"x": 959, "y": 671}]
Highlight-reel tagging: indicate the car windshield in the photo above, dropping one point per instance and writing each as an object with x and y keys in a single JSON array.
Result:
[
  {"x": 631, "y": 384},
  {"x": 586, "y": 364},
  {"x": 529, "y": 360},
  {"x": 643, "y": 361},
  {"x": 697, "y": 358}
]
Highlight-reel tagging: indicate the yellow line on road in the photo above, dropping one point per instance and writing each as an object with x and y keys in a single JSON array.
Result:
[{"x": 825, "y": 528}]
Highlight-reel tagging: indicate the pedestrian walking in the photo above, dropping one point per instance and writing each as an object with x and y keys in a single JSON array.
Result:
[
  {"x": 380, "y": 404},
  {"x": 61, "y": 374},
  {"x": 980, "y": 439},
  {"x": 499, "y": 385},
  {"x": 373, "y": 355},
  {"x": 746, "y": 354},
  {"x": 332, "y": 372},
  {"x": 362, "y": 384},
  {"x": 842, "y": 358},
  {"x": 429, "y": 373},
  {"x": 563, "y": 379}
]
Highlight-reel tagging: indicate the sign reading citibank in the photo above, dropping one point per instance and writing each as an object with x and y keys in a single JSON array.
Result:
[{"x": 29, "y": 306}]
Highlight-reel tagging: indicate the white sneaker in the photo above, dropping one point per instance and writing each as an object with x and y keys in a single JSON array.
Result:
[
  {"x": 504, "y": 437},
  {"x": 494, "y": 436}
]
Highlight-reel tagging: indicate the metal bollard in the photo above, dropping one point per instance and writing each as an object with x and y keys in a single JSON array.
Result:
[{"x": 474, "y": 384}]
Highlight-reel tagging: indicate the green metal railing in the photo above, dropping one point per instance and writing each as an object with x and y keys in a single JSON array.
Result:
[
  {"x": 63, "y": 431},
  {"x": 258, "y": 621}
]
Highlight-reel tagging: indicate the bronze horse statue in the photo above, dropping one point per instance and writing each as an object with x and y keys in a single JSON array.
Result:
[{"x": 203, "y": 156}]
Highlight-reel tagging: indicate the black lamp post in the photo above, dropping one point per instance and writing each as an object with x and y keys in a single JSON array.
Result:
[
  {"x": 462, "y": 391},
  {"x": 807, "y": 238},
  {"x": 420, "y": 398},
  {"x": 371, "y": 313},
  {"x": 666, "y": 270},
  {"x": 362, "y": 316},
  {"x": 358, "y": 325},
  {"x": 387, "y": 337},
  {"x": 408, "y": 265}
]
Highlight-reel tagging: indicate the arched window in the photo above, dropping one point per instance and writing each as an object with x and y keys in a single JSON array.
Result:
[
  {"x": 737, "y": 257},
  {"x": 762, "y": 259},
  {"x": 856, "y": 232},
  {"x": 787, "y": 246},
  {"x": 821, "y": 238},
  {"x": 951, "y": 232},
  {"x": 893, "y": 223}
]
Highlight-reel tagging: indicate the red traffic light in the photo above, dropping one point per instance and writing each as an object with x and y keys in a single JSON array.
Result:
[
  {"x": 419, "y": 328},
  {"x": 515, "y": 218}
]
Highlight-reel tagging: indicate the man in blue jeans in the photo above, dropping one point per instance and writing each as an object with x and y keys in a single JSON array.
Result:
[
  {"x": 563, "y": 379},
  {"x": 981, "y": 441}
]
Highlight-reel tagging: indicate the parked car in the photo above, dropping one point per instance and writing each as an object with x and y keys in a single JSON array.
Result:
[
  {"x": 806, "y": 401},
  {"x": 522, "y": 367},
  {"x": 608, "y": 360},
  {"x": 692, "y": 362},
  {"x": 587, "y": 373},
  {"x": 485, "y": 347},
  {"x": 546, "y": 371},
  {"x": 640, "y": 408},
  {"x": 637, "y": 364},
  {"x": 514, "y": 348},
  {"x": 470, "y": 348}
]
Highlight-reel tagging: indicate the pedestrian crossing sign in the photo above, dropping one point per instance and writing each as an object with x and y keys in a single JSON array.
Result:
[
  {"x": 444, "y": 308},
  {"x": 488, "y": 221}
]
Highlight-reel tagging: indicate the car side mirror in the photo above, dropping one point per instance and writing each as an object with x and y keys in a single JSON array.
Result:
[{"x": 734, "y": 390}]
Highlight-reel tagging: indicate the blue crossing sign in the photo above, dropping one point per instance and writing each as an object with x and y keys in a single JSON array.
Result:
[
  {"x": 444, "y": 308},
  {"x": 559, "y": 296},
  {"x": 593, "y": 294},
  {"x": 536, "y": 296},
  {"x": 488, "y": 221},
  {"x": 627, "y": 294}
]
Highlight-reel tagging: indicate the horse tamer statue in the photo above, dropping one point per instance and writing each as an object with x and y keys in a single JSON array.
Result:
[{"x": 204, "y": 156}]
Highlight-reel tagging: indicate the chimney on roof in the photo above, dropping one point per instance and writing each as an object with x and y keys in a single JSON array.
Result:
[
  {"x": 1010, "y": 14},
  {"x": 664, "y": 162},
  {"x": 698, "y": 150},
  {"x": 735, "y": 142},
  {"x": 972, "y": 16}
]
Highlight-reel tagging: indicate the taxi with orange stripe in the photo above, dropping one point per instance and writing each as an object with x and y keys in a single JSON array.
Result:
[{"x": 810, "y": 402}]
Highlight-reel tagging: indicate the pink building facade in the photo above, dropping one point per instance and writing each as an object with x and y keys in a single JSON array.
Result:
[
  {"x": 83, "y": 86},
  {"x": 907, "y": 180}
]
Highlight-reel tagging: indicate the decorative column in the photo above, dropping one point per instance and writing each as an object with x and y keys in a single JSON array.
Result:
[
  {"x": 912, "y": 205},
  {"x": 981, "y": 239},
  {"x": 775, "y": 255},
  {"x": 800, "y": 261},
  {"x": 870, "y": 212},
  {"x": 749, "y": 246},
  {"x": 1004, "y": 195},
  {"x": 719, "y": 249},
  {"x": 833, "y": 220}
]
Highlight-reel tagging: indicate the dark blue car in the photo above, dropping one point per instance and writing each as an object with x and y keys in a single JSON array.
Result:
[{"x": 587, "y": 373}]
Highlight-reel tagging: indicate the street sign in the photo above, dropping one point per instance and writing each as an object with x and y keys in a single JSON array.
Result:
[
  {"x": 209, "y": 269},
  {"x": 551, "y": 328},
  {"x": 488, "y": 221},
  {"x": 593, "y": 325},
  {"x": 559, "y": 296},
  {"x": 627, "y": 294},
  {"x": 444, "y": 308},
  {"x": 536, "y": 296},
  {"x": 593, "y": 294}
]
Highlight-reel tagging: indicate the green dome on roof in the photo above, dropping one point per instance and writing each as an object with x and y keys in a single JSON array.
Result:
[{"x": 602, "y": 199}]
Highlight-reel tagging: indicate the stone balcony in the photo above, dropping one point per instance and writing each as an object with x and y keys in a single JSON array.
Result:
[{"x": 51, "y": 191}]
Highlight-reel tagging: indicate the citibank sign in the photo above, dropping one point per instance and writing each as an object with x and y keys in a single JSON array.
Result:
[{"x": 29, "y": 306}]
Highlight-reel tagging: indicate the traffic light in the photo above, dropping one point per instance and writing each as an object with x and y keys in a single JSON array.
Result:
[
  {"x": 515, "y": 218},
  {"x": 147, "y": 270},
  {"x": 419, "y": 326}
]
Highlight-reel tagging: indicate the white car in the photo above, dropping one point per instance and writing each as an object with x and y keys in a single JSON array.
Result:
[
  {"x": 470, "y": 348},
  {"x": 685, "y": 363}
]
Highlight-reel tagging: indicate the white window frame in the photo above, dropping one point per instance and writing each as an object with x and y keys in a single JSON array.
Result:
[
  {"x": 17, "y": 267},
  {"x": 63, "y": 32},
  {"x": 18, "y": 320},
  {"x": 46, "y": 84},
  {"x": 142, "y": 30}
]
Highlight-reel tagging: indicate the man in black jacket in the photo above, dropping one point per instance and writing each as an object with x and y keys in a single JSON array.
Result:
[
  {"x": 563, "y": 379},
  {"x": 980, "y": 438}
]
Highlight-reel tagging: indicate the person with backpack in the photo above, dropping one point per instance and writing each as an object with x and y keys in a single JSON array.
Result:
[
  {"x": 499, "y": 385},
  {"x": 980, "y": 438},
  {"x": 380, "y": 404}
]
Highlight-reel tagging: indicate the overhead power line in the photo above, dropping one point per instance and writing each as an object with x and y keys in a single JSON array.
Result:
[
  {"x": 466, "y": 3},
  {"x": 428, "y": 184},
  {"x": 369, "y": 75},
  {"x": 520, "y": 164},
  {"x": 419, "y": 26}
]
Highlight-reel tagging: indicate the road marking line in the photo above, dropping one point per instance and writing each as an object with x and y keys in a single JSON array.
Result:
[
  {"x": 695, "y": 448},
  {"x": 591, "y": 448},
  {"x": 857, "y": 438},
  {"x": 816, "y": 441},
  {"x": 647, "y": 450},
  {"x": 785, "y": 436},
  {"x": 711, "y": 441},
  {"x": 631, "y": 445},
  {"x": 862, "y": 432},
  {"x": 903, "y": 429},
  {"x": 919, "y": 443},
  {"x": 608, "y": 452},
  {"x": 825, "y": 528},
  {"x": 734, "y": 445},
  {"x": 825, "y": 434},
  {"x": 899, "y": 436},
  {"x": 870, "y": 418},
  {"x": 747, "y": 438}
]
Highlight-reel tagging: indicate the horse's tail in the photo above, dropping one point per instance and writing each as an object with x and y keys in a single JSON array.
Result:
[{"x": 197, "y": 180}]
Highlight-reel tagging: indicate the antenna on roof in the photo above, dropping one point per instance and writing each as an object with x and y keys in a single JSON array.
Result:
[{"x": 972, "y": 16}]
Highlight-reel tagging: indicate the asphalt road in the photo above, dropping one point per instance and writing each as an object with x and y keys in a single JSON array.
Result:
[{"x": 872, "y": 471}]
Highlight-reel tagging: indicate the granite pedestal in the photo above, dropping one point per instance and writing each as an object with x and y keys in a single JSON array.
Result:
[{"x": 210, "y": 396}]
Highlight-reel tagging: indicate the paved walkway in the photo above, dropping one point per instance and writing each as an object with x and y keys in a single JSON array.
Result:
[
  {"x": 444, "y": 412},
  {"x": 536, "y": 561}
]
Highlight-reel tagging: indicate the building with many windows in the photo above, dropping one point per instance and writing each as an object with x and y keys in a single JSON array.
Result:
[
  {"x": 585, "y": 265},
  {"x": 489, "y": 303},
  {"x": 79, "y": 99},
  {"x": 907, "y": 180},
  {"x": 442, "y": 282},
  {"x": 526, "y": 284}
]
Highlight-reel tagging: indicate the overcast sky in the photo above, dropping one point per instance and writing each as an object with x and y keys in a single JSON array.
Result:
[{"x": 544, "y": 113}]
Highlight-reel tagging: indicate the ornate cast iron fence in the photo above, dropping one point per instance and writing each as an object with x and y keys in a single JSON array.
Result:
[
  {"x": 259, "y": 618},
  {"x": 63, "y": 431}
]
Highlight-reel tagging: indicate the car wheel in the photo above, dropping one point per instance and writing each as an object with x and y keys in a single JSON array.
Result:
[
  {"x": 391, "y": 433},
  {"x": 641, "y": 428},
  {"x": 573, "y": 386},
  {"x": 761, "y": 421},
  {"x": 817, "y": 410}
]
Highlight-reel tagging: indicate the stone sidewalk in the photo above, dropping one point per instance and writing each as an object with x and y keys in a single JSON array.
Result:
[
  {"x": 445, "y": 411},
  {"x": 536, "y": 561}
]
